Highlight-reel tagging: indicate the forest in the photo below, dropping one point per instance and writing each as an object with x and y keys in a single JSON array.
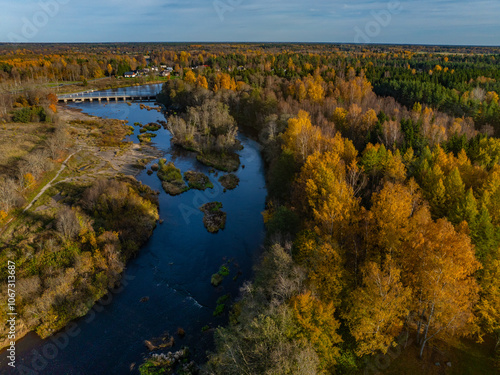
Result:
[
  {"x": 381, "y": 216},
  {"x": 383, "y": 209}
]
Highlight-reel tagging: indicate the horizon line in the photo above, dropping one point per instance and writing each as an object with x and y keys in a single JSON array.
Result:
[{"x": 262, "y": 42}]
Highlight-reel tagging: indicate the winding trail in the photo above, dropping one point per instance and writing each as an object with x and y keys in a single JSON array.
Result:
[{"x": 49, "y": 184}]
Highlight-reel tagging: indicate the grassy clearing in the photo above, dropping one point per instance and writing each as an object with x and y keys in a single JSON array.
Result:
[{"x": 61, "y": 274}]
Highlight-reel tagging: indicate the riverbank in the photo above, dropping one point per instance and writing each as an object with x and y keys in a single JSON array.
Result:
[
  {"x": 54, "y": 239},
  {"x": 106, "y": 157}
]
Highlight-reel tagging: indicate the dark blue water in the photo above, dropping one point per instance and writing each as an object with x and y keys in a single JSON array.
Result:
[{"x": 173, "y": 269}]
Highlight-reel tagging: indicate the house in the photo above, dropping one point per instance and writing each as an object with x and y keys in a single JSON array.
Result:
[
  {"x": 130, "y": 74},
  {"x": 164, "y": 73}
]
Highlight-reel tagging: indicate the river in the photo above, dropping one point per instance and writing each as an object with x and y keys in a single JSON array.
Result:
[{"x": 173, "y": 269}]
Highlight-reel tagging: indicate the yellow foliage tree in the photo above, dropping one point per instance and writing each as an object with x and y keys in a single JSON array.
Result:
[
  {"x": 341, "y": 146},
  {"x": 316, "y": 323},
  {"x": 369, "y": 120},
  {"x": 301, "y": 137},
  {"x": 28, "y": 180},
  {"x": 240, "y": 85},
  {"x": 439, "y": 265},
  {"x": 390, "y": 217},
  {"x": 324, "y": 264},
  {"x": 339, "y": 117},
  {"x": 201, "y": 81},
  {"x": 315, "y": 91},
  {"x": 327, "y": 196},
  {"x": 301, "y": 92},
  {"x": 492, "y": 97},
  {"x": 224, "y": 81},
  {"x": 378, "y": 308},
  {"x": 190, "y": 77}
]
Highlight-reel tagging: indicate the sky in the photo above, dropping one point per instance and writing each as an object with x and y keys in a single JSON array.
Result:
[{"x": 445, "y": 22}]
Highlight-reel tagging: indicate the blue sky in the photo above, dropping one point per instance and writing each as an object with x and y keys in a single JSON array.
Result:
[{"x": 392, "y": 21}]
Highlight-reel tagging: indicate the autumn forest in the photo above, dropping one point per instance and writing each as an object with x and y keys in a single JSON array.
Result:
[{"x": 383, "y": 209}]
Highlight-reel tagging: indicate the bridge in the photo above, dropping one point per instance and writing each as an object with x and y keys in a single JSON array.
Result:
[{"x": 78, "y": 98}]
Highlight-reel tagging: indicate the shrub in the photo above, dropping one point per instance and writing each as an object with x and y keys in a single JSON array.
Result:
[
  {"x": 30, "y": 114},
  {"x": 22, "y": 115}
]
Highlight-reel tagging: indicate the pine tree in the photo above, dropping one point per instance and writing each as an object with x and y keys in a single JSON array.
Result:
[
  {"x": 484, "y": 235},
  {"x": 468, "y": 208},
  {"x": 455, "y": 193}
]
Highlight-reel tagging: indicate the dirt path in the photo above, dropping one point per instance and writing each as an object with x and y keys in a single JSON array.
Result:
[{"x": 49, "y": 184}]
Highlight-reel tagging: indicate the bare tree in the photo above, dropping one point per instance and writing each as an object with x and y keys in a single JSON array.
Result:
[
  {"x": 35, "y": 163},
  {"x": 57, "y": 142},
  {"x": 478, "y": 94},
  {"x": 6, "y": 102},
  {"x": 67, "y": 223},
  {"x": 8, "y": 194},
  {"x": 391, "y": 131}
]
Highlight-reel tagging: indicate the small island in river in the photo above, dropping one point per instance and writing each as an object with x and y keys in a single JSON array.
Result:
[{"x": 214, "y": 218}]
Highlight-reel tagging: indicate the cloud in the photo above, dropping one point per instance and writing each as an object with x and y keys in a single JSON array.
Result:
[{"x": 420, "y": 21}]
